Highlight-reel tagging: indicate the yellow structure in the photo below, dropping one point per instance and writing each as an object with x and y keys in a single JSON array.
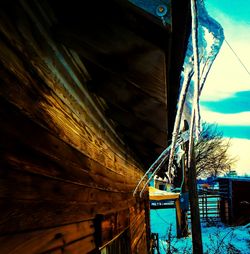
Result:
[
  {"x": 155, "y": 194},
  {"x": 159, "y": 195}
]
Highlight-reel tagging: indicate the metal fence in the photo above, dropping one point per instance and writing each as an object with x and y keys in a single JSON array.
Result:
[{"x": 209, "y": 205}]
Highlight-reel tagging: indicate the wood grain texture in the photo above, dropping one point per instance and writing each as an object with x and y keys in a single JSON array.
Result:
[
  {"x": 19, "y": 215},
  {"x": 46, "y": 240},
  {"x": 82, "y": 246},
  {"x": 126, "y": 56},
  {"x": 113, "y": 224},
  {"x": 64, "y": 103},
  {"x": 49, "y": 156},
  {"x": 138, "y": 228},
  {"x": 61, "y": 160}
]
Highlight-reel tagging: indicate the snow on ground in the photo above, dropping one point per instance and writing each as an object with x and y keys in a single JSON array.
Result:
[
  {"x": 223, "y": 239},
  {"x": 217, "y": 238}
]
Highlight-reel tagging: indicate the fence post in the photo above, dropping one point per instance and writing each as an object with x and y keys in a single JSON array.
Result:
[{"x": 194, "y": 208}]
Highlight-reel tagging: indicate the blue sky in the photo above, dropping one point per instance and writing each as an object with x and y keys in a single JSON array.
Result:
[
  {"x": 226, "y": 96},
  {"x": 238, "y": 102},
  {"x": 236, "y": 10}
]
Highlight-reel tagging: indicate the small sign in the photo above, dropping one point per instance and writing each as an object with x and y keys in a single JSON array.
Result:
[{"x": 184, "y": 201}]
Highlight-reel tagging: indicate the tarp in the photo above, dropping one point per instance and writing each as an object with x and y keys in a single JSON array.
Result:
[{"x": 155, "y": 194}]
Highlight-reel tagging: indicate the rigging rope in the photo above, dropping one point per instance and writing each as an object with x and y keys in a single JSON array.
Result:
[{"x": 243, "y": 65}]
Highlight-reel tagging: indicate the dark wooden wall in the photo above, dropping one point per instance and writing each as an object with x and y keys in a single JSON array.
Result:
[
  {"x": 235, "y": 200},
  {"x": 66, "y": 179},
  {"x": 241, "y": 202}
]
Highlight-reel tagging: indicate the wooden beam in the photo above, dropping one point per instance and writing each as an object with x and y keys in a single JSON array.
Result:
[{"x": 194, "y": 208}]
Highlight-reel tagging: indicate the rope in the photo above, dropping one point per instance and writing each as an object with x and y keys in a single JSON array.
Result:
[
  {"x": 167, "y": 222},
  {"x": 242, "y": 64}
]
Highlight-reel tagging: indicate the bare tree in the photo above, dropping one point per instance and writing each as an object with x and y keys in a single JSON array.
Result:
[{"x": 211, "y": 152}]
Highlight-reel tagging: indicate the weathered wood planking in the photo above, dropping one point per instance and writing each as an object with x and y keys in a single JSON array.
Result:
[
  {"x": 120, "y": 52},
  {"x": 61, "y": 161},
  {"x": 18, "y": 215},
  {"x": 113, "y": 224},
  {"x": 62, "y": 105},
  {"x": 137, "y": 226},
  {"x": 24, "y": 186},
  {"x": 21, "y": 152},
  {"x": 138, "y": 229},
  {"x": 25, "y": 167},
  {"x": 141, "y": 243},
  {"x": 52, "y": 115},
  {"x": 46, "y": 240},
  {"x": 85, "y": 245}
]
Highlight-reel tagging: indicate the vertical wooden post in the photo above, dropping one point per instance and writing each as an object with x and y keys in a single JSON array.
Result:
[
  {"x": 181, "y": 179},
  {"x": 203, "y": 205},
  {"x": 158, "y": 246},
  {"x": 194, "y": 207},
  {"x": 230, "y": 201},
  {"x": 184, "y": 190},
  {"x": 178, "y": 218},
  {"x": 206, "y": 206},
  {"x": 147, "y": 220}
]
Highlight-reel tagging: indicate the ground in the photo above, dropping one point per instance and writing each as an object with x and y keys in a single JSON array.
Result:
[{"x": 217, "y": 237}]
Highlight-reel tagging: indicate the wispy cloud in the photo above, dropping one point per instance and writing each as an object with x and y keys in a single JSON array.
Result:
[
  {"x": 227, "y": 75},
  {"x": 242, "y": 118},
  {"x": 238, "y": 102},
  {"x": 235, "y": 131}
]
